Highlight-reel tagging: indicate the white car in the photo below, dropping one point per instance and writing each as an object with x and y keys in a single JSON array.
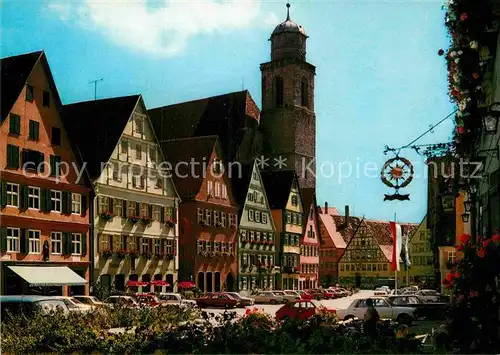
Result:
[
  {"x": 74, "y": 305},
  {"x": 268, "y": 297},
  {"x": 428, "y": 295},
  {"x": 125, "y": 301},
  {"x": 90, "y": 301},
  {"x": 382, "y": 291},
  {"x": 175, "y": 298},
  {"x": 289, "y": 297},
  {"x": 385, "y": 310}
]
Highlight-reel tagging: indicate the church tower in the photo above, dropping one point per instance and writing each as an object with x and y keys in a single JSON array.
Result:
[{"x": 287, "y": 119}]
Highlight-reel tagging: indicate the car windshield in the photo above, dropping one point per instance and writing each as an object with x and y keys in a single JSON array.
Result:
[
  {"x": 293, "y": 293},
  {"x": 234, "y": 295},
  {"x": 316, "y": 304},
  {"x": 76, "y": 301},
  {"x": 279, "y": 293},
  {"x": 69, "y": 304}
]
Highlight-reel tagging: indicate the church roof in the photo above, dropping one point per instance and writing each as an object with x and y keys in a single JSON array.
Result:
[
  {"x": 224, "y": 115},
  {"x": 240, "y": 181},
  {"x": 288, "y": 26},
  {"x": 188, "y": 181}
]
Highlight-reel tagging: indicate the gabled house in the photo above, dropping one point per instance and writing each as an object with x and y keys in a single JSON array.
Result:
[
  {"x": 368, "y": 253},
  {"x": 257, "y": 240},
  {"x": 44, "y": 189},
  {"x": 332, "y": 245},
  {"x": 310, "y": 242},
  {"x": 421, "y": 257},
  {"x": 136, "y": 203},
  {"x": 234, "y": 117},
  {"x": 284, "y": 198},
  {"x": 208, "y": 213}
]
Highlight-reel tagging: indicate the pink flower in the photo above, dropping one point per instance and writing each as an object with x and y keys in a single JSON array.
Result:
[
  {"x": 463, "y": 16},
  {"x": 486, "y": 242},
  {"x": 481, "y": 253},
  {"x": 496, "y": 238},
  {"x": 464, "y": 238},
  {"x": 460, "y": 247}
]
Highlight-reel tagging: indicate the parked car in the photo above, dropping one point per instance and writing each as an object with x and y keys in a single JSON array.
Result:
[
  {"x": 304, "y": 295},
  {"x": 339, "y": 292},
  {"x": 429, "y": 295},
  {"x": 74, "y": 305},
  {"x": 217, "y": 300},
  {"x": 300, "y": 310},
  {"x": 385, "y": 310},
  {"x": 90, "y": 300},
  {"x": 268, "y": 297},
  {"x": 28, "y": 305},
  {"x": 243, "y": 301},
  {"x": 330, "y": 294},
  {"x": 124, "y": 301},
  {"x": 382, "y": 291},
  {"x": 287, "y": 296},
  {"x": 292, "y": 293},
  {"x": 175, "y": 298},
  {"x": 427, "y": 310},
  {"x": 316, "y": 293}
]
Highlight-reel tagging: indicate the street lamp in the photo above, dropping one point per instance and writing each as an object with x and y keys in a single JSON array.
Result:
[
  {"x": 467, "y": 205},
  {"x": 465, "y": 217},
  {"x": 490, "y": 119}
]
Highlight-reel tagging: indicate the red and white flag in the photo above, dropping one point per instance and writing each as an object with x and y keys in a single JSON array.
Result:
[{"x": 397, "y": 243}]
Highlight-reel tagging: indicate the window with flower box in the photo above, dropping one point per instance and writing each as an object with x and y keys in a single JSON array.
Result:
[
  {"x": 105, "y": 242},
  {"x": 223, "y": 219},
  {"x": 102, "y": 204},
  {"x": 144, "y": 245},
  {"x": 257, "y": 237},
  {"x": 144, "y": 210},
  {"x": 118, "y": 207},
  {"x": 157, "y": 246},
  {"x": 216, "y": 246},
  {"x": 156, "y": 213},
  {"x": 131, "y": 209},
  {"x": 208, "y": 217}
]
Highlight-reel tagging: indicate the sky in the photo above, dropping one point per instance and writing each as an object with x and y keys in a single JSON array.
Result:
[{"x": 379, "y": 80}]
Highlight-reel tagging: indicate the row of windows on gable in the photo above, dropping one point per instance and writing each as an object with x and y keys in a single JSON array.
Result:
[
  {"x": 124, "y": 209},
  {"x": 420, "y": 247},
  {"x": 291, "y": 239},
  {"x": 215, "y": 246},
  {"x": 138, "y": 177},
  {"x": 129, "y": 243},
  {"x": 28, "y": 241},
  {"x": 308, "y": 250},
  {"x": 422, "y": 260},
  {"x": 32, "y": 197},
  {"x": 363, "y": 267},
  {"x": 364, "y": 254},
  {"x": 216, "y": 218},
  {"x": 294, "y": 218},
  {"x": 34, "y": 160},
  {"x": 30, "y": 95},
  {"x": 33, "y": 130},
  {"x": 290, "y": 260},
  {"x": 255, "y": 196},
  {"x": 257, "y": 216},
  {"x": 220, "y": 190},
  {"x": 250, "y": 235},
  {"x": 257, "y": 260},
  {"x": 149, "y": 152}
]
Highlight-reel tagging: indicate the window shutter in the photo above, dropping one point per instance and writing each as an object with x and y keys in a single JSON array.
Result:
[
  {"x": 150, "y": 245},
  {"x": 48, "y": 201},
  {"x": 3, "y": 239},
  {"x": 24, "y": 197},
  {"x": 138, "y": 244},
  {"x": 174, "y": 213},
  {"x": 150, "y": 211},
  {"x": 3, "y": 194},
  {"x": 162, "y": 214},
  {"x": 52, "y": 165},
  {"x": 110, "y": 205},
  {"x": 84, "y": 205},
  {"x": 124, "y": 208},
  {"x": 70, "y": 202},
  {"x": 162, "y": 245},
  {"x": 64, "y": 202},
  {"x": 43, "y": 200},
  {"x": 23, "y": 247},
  {"x": 41, "y": 158},
  {"x": 84, "y": 244},
  {"x": 137, "y": 208},
  {"x": 67, "y": 244}
]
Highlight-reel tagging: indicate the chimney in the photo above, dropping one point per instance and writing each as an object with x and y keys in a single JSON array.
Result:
[
  {"x": 346, "y": 217},
  {"x": 326, "y": 207}
]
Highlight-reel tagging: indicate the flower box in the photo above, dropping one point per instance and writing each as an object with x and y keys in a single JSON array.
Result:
[
  {"x": 146, "y": 255},
  {"x": 170, "y": 224},
  {"x": 105, "y": 216},
  {"x": 170, "y": 256},
  {"x": 146, "y": 220},
  {"x": 133, "y": 219},
  {"x": 120, "y": 254},
  {"x": 106, "y": 254},
  {"x": 132, "y": 254},
  {"x": 159, "y": 256}
]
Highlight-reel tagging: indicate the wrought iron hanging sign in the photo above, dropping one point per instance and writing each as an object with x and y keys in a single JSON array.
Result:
[{"x": 397, "y": 173}]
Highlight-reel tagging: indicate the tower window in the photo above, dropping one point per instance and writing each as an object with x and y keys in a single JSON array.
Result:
[
  {"x": 279, "y": 90},
  {"x": 304, "y": 93}
]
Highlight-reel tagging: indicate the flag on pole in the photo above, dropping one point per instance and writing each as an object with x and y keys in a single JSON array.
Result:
[
  {"x": 407, "y": 251},
  {"x": 397, "y": 244}
]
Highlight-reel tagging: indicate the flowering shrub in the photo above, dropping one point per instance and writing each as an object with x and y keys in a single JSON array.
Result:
[
  {"x": 106, "y": 216},
  {"x": 133, "y": 219},
  {"x": 475, "y": 306},
  {"x": 146, "y": 220}
]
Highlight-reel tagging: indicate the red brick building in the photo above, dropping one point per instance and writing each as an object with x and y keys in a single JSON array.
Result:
[
  {"x": 208, "y": 213},
  {"x": 332, "y": 245},
  {"x": 44, "y": 210}
]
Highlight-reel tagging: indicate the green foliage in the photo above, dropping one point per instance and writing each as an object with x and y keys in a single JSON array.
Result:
[{"x": 173, "y": 329}]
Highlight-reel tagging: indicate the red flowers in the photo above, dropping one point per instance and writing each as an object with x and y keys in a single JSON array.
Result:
[
  {"x": 486, "y": 242},
  {"x": 496, "y": 238},
  {"x": 463, "y": 16},
  {"x": 461, "y": 129},
  {"x": 475, "y": 75},
  {"x": 464, "y": 238},
  {"x": 481, "y": 253},
  {"x": 473, "y": 293},
  {"x": 460, "y": 247}
]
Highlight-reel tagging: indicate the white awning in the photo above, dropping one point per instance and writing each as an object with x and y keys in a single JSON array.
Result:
[{"x": 49, "y": 275}]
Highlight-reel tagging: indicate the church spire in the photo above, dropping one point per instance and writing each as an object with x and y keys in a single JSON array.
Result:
[{"x": 288, "y": 11}]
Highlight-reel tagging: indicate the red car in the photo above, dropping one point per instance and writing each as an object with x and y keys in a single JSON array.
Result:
[
  {"x": 217, "y": 300},
  {"x": 300, "y": 310},
  {"x": 304, "y": 295},
  {"x": 328, "y": 295}
]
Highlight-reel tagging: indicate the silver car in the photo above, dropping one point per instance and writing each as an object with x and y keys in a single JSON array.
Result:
[
  {"x": 289, "y": 295},
  {"x": 175, "y": 298},
  {"x": 268, "y": 297}
]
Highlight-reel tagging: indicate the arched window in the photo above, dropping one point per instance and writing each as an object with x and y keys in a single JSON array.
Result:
[
  {"x": 278, "y": 86},
  {"x": 304, "y": 90}
]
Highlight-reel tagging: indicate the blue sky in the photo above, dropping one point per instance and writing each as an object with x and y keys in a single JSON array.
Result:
[{"x": 379, "y": 79}]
